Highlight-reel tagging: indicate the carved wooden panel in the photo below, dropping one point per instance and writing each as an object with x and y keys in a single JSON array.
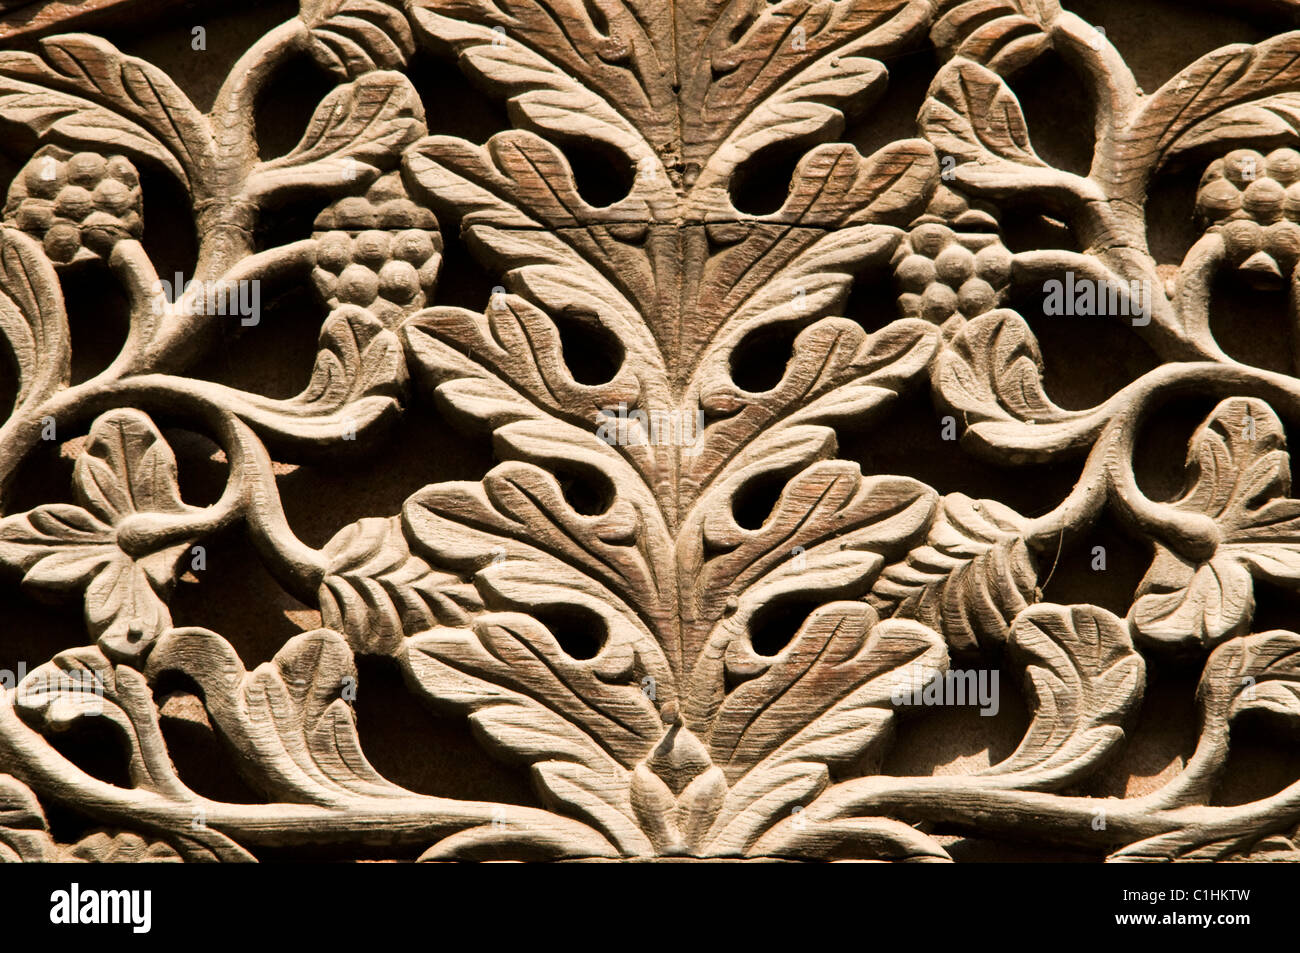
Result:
[{"x": 705, "y": 583}]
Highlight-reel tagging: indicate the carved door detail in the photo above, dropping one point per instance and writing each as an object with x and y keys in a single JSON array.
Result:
[{"x": 673, "y": 599}]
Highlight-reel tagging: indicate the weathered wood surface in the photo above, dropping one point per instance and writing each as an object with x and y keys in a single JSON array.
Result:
[{"x": 681, "y": 732}]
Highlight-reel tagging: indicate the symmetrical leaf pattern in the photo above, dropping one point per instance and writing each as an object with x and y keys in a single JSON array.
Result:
[{"x": 673, "y": 598}]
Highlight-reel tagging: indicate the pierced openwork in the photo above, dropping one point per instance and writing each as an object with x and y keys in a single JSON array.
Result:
[{"x": 625, "y": 508}]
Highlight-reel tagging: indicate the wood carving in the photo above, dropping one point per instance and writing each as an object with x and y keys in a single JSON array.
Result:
[{"x": 624, "y": 506}]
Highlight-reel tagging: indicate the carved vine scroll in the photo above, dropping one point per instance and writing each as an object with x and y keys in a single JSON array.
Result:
[{"x": 682, "y": 732}]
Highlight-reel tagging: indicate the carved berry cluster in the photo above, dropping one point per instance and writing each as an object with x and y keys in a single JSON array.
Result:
[
  {"x": 380, "y": 251},
  {"x": 78, "y": 204},
  {"x": 1254, "y": 200}
]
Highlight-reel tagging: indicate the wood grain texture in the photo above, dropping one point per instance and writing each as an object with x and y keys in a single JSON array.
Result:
[{"x": 671, "y": 599}]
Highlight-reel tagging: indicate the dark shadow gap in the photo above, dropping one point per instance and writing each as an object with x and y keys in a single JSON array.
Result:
[
  {"x": 579, "y": 631},
  {"x": 1087, "y": 358},
  {"x": 762, "y": 183},
  {"x": 774, "y": 626},
  {"x": 292, "y": 95},
  {"x": 592, "y": 353},
  {"x": 453, "y": 105},
  {"x": 1058, "y": 109},
  {"x": 1102, "y": 568},
  {"x": 910, "y": 439},
  {"x": 98, "y": 318},
  {"x": 1253, "y": 325},
  {"x": 759, "y": 362},
  {"x": 423, "y": 752}
]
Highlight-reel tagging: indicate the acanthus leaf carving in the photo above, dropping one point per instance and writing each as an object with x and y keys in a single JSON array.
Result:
[
  {"x": 675, "y": 597},
  {"x": 352, "y": 37},
  {"x": 971, "y": 577},
  {"x": 24, "y": 834},
  {"x": 1087, "y": 680},
  {"x": 1239, "y": 477}
]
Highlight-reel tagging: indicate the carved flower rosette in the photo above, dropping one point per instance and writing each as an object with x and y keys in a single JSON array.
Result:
[{"x": 709, "y": 506}]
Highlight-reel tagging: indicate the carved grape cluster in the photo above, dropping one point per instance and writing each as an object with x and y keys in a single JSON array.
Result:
[
  {"x": 1253, "y": 200},
  {"x": 379, "y": 251},
  {"x": 944, "y": 267},
  {"x": 79, "y": 205}
]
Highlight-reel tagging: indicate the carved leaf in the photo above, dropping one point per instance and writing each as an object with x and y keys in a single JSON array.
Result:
[
  {"x": 973, "y": 575},
  {"x": 526, "y": 546},
  {"x": 375, "y": 591},
  {"x": 991, "y": 375},
  {"x": 757, "y": 808},
  {"x": 1252, "y": 673},
  {"x": 526, "y": 241},
  {"x": 32, "y": 318},
  {"x": 1085, "y": 680},
  {"x": 826, "y": 696},
  {"x": 972, "y": 114},
  {"x": 82, "y": 683},
  {"x": 1181, "y": 601},
  {"x": 122, "y": 847},
  {"x": 1258, "y": 672},
  {"x": 1265, "y": 119},
  {"x": 24, "y": 835},
  {"x": 509, "y": 667},
  {"x": 60, "y": 547},
  {"x": 837, "y": 372},
  {"x": 828, "y": 536},
  {"x": 1203, "y": 846},
  {"x": 518, "y": 180},
  {"x": 612, "y": 87},
  {"x": 579, "y": 723},
  {"x": 82, "y": 91},
  {"x": 127, "y": 473},
  {"x": 1239, "y": 475},
  {"x": 507, "y": 365},
  {"x": 356, "y": 131},
  {"x": 835, "y": 185},
  {"x": 1239, "y": 472},
  {"x": 561, "y": 838},
  {"x": 124, "y": 608},
  {"x": 357, "y": 383},
  {"x": 602, "y": 799},
  {"x": 1228, "y": 77},
  {"x": 1000, "y": 34},
  {"x": 868, "y": 838},
  {"x": 351, "y": 37},
  {"x": 798, "y": 277},
  {"x": 288, "y": 715},
  {"x": 809, "y": 104},
  {"x": 1180, "y": 846},
  {"x": 127, "y": 468},
  {"x": 785, "y": 52}
]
